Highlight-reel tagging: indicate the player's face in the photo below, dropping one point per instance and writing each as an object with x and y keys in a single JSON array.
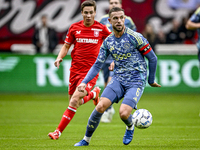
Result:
[
  {"x": 88, "y": 14},
  {"x": 114, "y": 3},
  {"x": 117, "y": 20}
]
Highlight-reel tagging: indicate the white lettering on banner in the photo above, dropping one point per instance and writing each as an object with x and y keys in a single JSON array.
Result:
[
  {"x": 24, "y": 20},
  {"x": 8, "y": 64},
  {"x": 166, "y": 13},
  {"x": 169, "y": 73},
  {"x": 42, "y": 73},
  {"x": 22, "y": 15},
  {"x": 25, "y": 16},
  {"x": 187, "y": 73}
]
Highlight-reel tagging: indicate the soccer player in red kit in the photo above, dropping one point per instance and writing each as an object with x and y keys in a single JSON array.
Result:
[{"x": 87, "y": 36}]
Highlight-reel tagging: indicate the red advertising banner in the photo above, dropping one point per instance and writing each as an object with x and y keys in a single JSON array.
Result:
[{"x": 18, "y": 18}]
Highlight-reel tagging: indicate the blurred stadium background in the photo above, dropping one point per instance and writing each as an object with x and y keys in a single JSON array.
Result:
[
  {"x": 22, "y": 70},
  {"x": 30, "y": 85}
]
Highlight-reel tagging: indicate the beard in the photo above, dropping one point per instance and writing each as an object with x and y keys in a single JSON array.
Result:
[{"x": 118, "y": 30}]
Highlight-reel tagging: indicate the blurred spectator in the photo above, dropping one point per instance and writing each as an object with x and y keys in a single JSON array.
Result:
[
  {"x": 186, "y": 4},
  {"x": 173, "y": 36},
  {"x": 186, "y": 36},
  {"x": 161, "y": 37},
  {"x": 150, "y": 35},
  {"x": 45, "y": 38}
]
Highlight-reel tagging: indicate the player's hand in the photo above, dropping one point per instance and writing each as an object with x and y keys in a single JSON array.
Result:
[
  {"x": 111, "y": 67},
  {"x": 155, "y": 84},
  {"x": 57, "y": 62},
  {"x": 81, "y": 87}
]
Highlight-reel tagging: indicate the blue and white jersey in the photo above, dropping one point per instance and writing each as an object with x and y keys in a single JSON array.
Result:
[
  {"x": 128, "y": 23},
  {"x": 196, "y": 18},
  {"x": 128, "y": 54}
]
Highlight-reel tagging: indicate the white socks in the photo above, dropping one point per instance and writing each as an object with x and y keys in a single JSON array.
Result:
[
  {"x": 94, "y": 94},
  {"x": 87, "y": 139},
  {"x": 130, "y": 128}
]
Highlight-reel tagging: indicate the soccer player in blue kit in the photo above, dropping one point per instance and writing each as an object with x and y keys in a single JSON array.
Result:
[
  {"x": 194, "y": 23},
  {"x": 107, "y": 74},
  {"x": 128, "y": 49}
]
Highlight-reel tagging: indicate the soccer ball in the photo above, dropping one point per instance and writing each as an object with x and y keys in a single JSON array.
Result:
[{"x": 142, "y": 118}]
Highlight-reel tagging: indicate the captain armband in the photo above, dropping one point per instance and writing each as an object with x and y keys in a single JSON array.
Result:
[{"x": 145, "y": 49}]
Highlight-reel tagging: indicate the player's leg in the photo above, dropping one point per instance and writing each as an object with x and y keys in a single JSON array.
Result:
[
  {"x": 107, "y": 98},
  {"x": 108, "y": 114},
  {"x": 105, "y": 70},
  {"x": 94, "y": 120},
  {"x": 129, "y": 103},
  {"x": 126, "y": 117},
  {"x": 74, "y": 102},
  {"x": 57, "y": 133},
  {"x": 94, "y": 94}
]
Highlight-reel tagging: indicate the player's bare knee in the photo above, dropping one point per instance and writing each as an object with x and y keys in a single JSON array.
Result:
[
  {"x": 100, "y": 107},
  {"x": 74, "y": 102},
  {"x": 124, "y": 115}
]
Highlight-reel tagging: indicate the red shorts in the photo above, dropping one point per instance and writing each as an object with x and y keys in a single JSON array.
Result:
[{"x": 76, "y": 79}]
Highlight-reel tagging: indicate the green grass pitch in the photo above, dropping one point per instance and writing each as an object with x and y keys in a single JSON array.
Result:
[{"x": 26, "y": 119}]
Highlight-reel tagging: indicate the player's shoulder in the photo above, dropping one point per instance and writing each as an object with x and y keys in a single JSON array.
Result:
[
  {"x": 76, "y": 24},
  {"x": 197, "y": 11},
  {"x": 129, "y": 18},
  {"x": 133, "y": 33},
  {"x": 100, "y": 25},
  {"x": 110, "y": 37},
  {"x": 104, "y": 17}
]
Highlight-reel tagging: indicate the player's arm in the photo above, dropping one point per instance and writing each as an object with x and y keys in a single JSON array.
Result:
[
  {"x": 192, "y": 25},
  {"x": 152, "y": 58},
  {"x": 145, "y": 49},
  {"x": 94, "y": 70},
  {"x": 63, "y": 52}
]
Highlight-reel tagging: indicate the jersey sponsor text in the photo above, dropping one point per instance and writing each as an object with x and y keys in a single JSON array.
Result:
[{"x": 86, "y": 40}]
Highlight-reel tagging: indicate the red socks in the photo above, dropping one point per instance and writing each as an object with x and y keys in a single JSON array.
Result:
[
  {"x": 88, "y": 97},
  {"x": 70, "y": 112},
  {"x": 66, "y": 118}
]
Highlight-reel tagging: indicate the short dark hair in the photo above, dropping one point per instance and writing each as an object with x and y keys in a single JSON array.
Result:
[
  {"x": 120, "y": 1},
  {"x": 88, "y": 3},
  {"x": 115, "y": 9}
]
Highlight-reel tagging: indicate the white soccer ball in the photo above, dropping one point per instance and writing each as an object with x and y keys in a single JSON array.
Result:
[{"x": 142, "y": 118}]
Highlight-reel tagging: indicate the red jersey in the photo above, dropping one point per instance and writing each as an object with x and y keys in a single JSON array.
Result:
[{"x": 87, "y": 42}]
